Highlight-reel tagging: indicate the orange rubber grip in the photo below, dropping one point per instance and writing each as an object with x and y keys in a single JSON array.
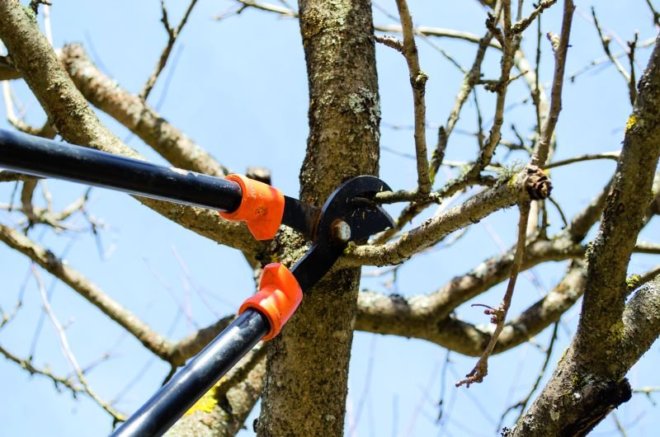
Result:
[
  {"x": 261, "y": 208},
  {"x": 277, "y": 299}
]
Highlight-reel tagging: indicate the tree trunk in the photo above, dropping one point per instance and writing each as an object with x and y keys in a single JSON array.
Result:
[{"x": 306, "y": 383}]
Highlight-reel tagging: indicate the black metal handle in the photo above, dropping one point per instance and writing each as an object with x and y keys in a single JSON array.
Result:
[
  {"x": 47, "y": 158},
  {"x": 169, "y": 403}
]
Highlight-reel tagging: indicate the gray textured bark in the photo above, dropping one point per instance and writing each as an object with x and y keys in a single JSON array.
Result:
[
  {"x": 308, "y": 363},
  {"x": 590, "y": 379}
]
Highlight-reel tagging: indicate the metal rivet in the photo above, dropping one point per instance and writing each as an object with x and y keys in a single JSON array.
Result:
[{"x": 341, "y": 231}]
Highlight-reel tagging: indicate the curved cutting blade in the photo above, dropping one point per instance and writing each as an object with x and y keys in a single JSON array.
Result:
[{"x": 353, "y": 204}]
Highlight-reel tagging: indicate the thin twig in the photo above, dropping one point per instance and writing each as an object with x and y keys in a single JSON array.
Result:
[
  {"x": 644, "y": 247},
  {"x": 605, "y": 41},
  {"x": 498, "y": 315},
  {"x": 16, "y": 121},
  {"x": 619, "y": 426},
  {"x": 27, "y": 364},
  {"x": 648, "y": 276},
  {"x": 26, "y": 200},
  {"x": 172, "y": 35},
  {"x": 469, "y": 81},
  {"x": 648, "y": 43},
  {"x": 68, "y": 353},
  {"x": 656, "y": 14},
  {"x": 523, "y": 24},
  {"x": 284, "y": 11},
  {"x": 647, "y": 390},
  {"x": 48, "y": 261},
  {"x": 510, "y": 42},
  {"x": 614, "y": 156},
  {"x": 560, "y": 211},
  {"x": 632, "y": 83},
  {"x": 390, "y": 42},
  {"x": 542, "y": 151}
]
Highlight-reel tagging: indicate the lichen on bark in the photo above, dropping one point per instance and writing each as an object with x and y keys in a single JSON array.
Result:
[{"x": 308, "y": 363}]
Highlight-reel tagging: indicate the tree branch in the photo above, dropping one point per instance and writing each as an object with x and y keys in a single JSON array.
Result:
[
  {"x": 614, "y": 156},
  {"x": 542, "y": 151},
  {"x": 78, "y": 124},
  {"x": 94, "y": 295},
  {"x": 605, "y": 41},
  {"x": 631, "y": 192},
  {"x": 418, "y": 82},
  {"x": 28, "y": 365},
  {"x": 406, "y": 318},
  {"x": 136, "y": 115},
  {"x": 498, "y": 315},
  {"x": 508, "y": 191},
  {"x": 590, "y": 379},
  {"x": 68, "y": 353},
  {"x": 172, "y": 35}
]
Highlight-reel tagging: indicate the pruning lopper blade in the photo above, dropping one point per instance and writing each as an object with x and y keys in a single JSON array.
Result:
[{"x": 348, "y": 215}]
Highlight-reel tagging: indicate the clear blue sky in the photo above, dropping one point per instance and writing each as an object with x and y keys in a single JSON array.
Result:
[{"x": 238, "y": 87}]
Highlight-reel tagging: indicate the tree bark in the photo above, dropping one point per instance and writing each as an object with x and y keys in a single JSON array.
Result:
[
  {"x": 589, "y": 381},
  {"x": 306, "y": 383}
]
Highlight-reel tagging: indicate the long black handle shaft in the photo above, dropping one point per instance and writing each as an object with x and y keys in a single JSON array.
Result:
[
  {"x": 169, "y": 403},
  {"x": 47, "y": 158}
]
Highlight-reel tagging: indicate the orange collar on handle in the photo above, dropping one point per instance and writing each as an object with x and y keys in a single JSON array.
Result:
[
  {"x": 278, "y": 297},
  {"x": 261, "y": 208}
]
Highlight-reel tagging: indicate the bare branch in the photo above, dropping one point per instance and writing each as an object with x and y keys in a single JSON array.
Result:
[
  {"x": 648, "y": 276},
  {"x": 498, "y": 315},
  {"x": 523, "y": 24},
  {"x": 78, "y": 124},
  {"x": 656, "y": 14},
  {"x": 632, "y": 84},
  {"x": 287, "y": 12},
  {"x": 645, "y": 247},
  {"x": 605, "y": 40},
  {"x": 28, "y": 365},
  {"x": 585, "y": 219},
  {"x": 68, "y": 353},
  {"x": 611, "y": 335},
  {"x": 390, "y": 42},
  {"x": 641, "y": 320},
  {"x": 505, "y": 193},
  {"x": 172, "y": 35},
  {"x": 509, "y": 41},
  {"x": 608, "y": 259},
  {"x": 614, "y": 156},
  {"x": 522, "y": 404},
  {"x": 470, "y": 79},
  {"x": 46, "y": 131},
  {"x": 26, "y": 199},
  {"x": 600, "y": 61},
  {"x": 395, "y": 315},
  {"x": 136, "y": 115},
  {"x": 542, "y": 151},
  {"x": 47, "y": 260},
  {"x": 418, "y": 82}
]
